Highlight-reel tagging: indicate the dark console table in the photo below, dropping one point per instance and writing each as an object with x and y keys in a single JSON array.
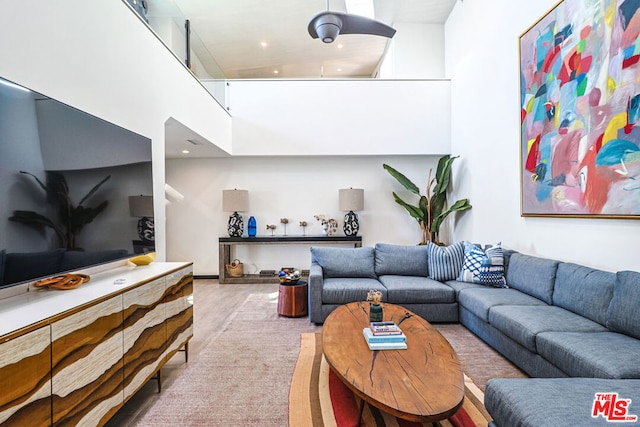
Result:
[{"x": 226, "y": 244}]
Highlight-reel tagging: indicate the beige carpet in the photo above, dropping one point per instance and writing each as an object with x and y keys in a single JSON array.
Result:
[{"x": 241, "y": 375}]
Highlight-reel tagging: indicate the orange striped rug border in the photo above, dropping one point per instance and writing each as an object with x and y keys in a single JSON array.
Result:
[{"x": 310, "y": 400}]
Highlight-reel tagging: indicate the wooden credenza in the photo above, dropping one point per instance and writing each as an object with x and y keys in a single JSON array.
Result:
[
  {"x": 227, "y": 243},
  {"x": 75, "y": 357}
]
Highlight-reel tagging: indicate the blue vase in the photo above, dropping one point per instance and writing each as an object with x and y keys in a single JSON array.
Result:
[{"x": 251, "y": 227}]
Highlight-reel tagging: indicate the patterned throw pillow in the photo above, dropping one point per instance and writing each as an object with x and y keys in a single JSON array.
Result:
[
  {"x": 445, "y": 262},
  {"x": 483, "y": 267}
]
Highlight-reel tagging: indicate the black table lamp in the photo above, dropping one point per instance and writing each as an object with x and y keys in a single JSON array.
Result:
[
  {"x": 351, "y": 199},
  {"x": 235, "y": 201},
  {"x": 142, "y": 207}
]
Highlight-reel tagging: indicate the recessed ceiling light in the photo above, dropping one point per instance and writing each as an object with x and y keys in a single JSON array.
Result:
[
  {"x": 263, "y": 44},
  {"x": 185, "y": 151},
  {"x": 275, "y": 71},
  {"x": 339, "y": 69},
  {"x": 340, "y": 46}
]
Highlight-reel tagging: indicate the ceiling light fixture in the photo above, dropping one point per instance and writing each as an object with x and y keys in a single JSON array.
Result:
[
  {"x": 185, "y": 151},
  {"x": 263, "y": 44},
  {"x": 328, "y": 25}
]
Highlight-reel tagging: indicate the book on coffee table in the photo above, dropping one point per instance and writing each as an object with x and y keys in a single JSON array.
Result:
[
  {"x": 371, "y": 338},
  {"x": 384, "y": 328},
  {"x": 384, "y": 342}
]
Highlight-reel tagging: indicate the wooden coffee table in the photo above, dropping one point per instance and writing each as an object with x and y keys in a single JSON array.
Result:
[{"x": 423, "y": 383}]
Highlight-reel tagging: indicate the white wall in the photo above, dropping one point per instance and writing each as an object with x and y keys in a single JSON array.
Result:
[
  {"x": 296, "y": 188},
  {"x": 99, "y": 57},
  {"x": 415, "y": 52},
  {"x": 481, "y": 51},
  {"x": 340, "y": 117}
]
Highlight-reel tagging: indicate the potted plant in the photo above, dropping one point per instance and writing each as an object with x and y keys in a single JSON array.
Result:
[
  {"x": 430, "y": 212},
  {"x": 69, "y": 219}
]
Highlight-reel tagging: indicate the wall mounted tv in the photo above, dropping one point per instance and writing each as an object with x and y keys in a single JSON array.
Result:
[{"x": 49, "y": 152}]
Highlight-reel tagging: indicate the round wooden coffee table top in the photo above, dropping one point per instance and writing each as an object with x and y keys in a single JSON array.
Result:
[{"x": 424, "y": 383}]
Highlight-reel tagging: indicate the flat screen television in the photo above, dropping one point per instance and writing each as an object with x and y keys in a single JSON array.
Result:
[{"x": 65, "y": 181}]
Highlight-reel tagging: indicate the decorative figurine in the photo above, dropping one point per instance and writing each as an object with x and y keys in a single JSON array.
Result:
[
  {"x": 303, "y": 224},
  {"x": 375, "y": 309},
  {"x": 271, "y": 227},
  {"x": 284, "y": 221},
  {"x": 329, "y": 225}
]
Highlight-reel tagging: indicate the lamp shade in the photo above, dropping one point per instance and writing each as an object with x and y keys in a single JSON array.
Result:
[
  {"x": 235, "y": 200},
  {"x": 141, "y": 206},
  {"x": 351, "y": 199}
]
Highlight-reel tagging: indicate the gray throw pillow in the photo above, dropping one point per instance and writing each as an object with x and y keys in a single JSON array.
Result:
[
  {"x": 345, "y": 262},
  {"x": 445, "y": 262}
]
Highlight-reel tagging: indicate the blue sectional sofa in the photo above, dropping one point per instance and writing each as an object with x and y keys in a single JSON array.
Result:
[{"x": 552, "y": 319}]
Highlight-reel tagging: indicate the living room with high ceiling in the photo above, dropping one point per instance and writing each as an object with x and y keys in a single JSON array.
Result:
[{"x": 293, "y": 136}]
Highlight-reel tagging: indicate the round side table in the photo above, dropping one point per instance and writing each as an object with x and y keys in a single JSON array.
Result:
[{"x": 292, "y": 299}]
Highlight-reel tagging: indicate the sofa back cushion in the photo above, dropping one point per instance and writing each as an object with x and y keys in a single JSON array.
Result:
[
  {"x": 532, "y": 275},
  {"x": 21, "y": 266},
  {"x": 345, "y": 262},
  {"x": 583, "y": 290},
  {"x": 401, "y": 260},
  {"x": 77, "y": 259},
  {"x": 2, "y": 252},
  {"x": 623, "y": 315}
]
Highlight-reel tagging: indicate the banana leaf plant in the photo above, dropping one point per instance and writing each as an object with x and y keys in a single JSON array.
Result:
[
  {"x": 69, "y": 220},
  {"x": 430, "y": 211}
]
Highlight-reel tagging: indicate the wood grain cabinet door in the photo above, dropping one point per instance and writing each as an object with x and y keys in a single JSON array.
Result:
[
  {"x": 25, "y": 379},
  {"x": 179, "y": 303},
  {"x": 145, "y": 334},
  {"x": 87, "y": 353}
]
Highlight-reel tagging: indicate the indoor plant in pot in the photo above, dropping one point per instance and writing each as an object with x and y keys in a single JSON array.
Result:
[{"x": 431, "y": 210}]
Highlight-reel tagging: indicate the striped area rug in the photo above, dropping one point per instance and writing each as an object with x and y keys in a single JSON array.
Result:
[{"x": 318, "y": 398}]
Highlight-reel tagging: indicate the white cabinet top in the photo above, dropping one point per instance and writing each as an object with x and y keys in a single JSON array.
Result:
[{"x": 38, "y": 305}]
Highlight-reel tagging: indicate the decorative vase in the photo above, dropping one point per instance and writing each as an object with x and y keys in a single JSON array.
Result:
[
  {"x": 351, "y": 225},
  {"x": 251, "y": 227},
  {"x": 375, "y": 312},
  {"x": 236, "y": 225},
  {"x": 146, "y": 229}
]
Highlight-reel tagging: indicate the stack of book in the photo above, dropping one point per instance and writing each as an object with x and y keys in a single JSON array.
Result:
[{"x": 384, "y": 336}]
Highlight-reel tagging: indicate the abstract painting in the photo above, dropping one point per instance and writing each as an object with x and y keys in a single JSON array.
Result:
[{"x": 580, "y": 111}]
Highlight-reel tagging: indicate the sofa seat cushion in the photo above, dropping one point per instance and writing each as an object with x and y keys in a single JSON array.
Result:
[
  {"x": 523, "y": 323},
  {"x": 479, "y": 300},
  {"x": 532, "y": 275},
  {"x": 546, "y": 402},
  {"x": 401, "y": 260},
  {"x": 416, "y": 290},
  {"x": 587, "y": 354},
  {"x": 623, "y": 314},
  {"x": 458, "y": 285},
  {"x": 345, "y": 262},
  {"x": 346, "y": 290}
]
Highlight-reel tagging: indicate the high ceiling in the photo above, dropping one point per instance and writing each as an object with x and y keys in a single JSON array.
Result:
[{"x": 267, "y": 39}]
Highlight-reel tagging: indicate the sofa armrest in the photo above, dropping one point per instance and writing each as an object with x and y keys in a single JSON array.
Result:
[{"x": 316, "y": 281}]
